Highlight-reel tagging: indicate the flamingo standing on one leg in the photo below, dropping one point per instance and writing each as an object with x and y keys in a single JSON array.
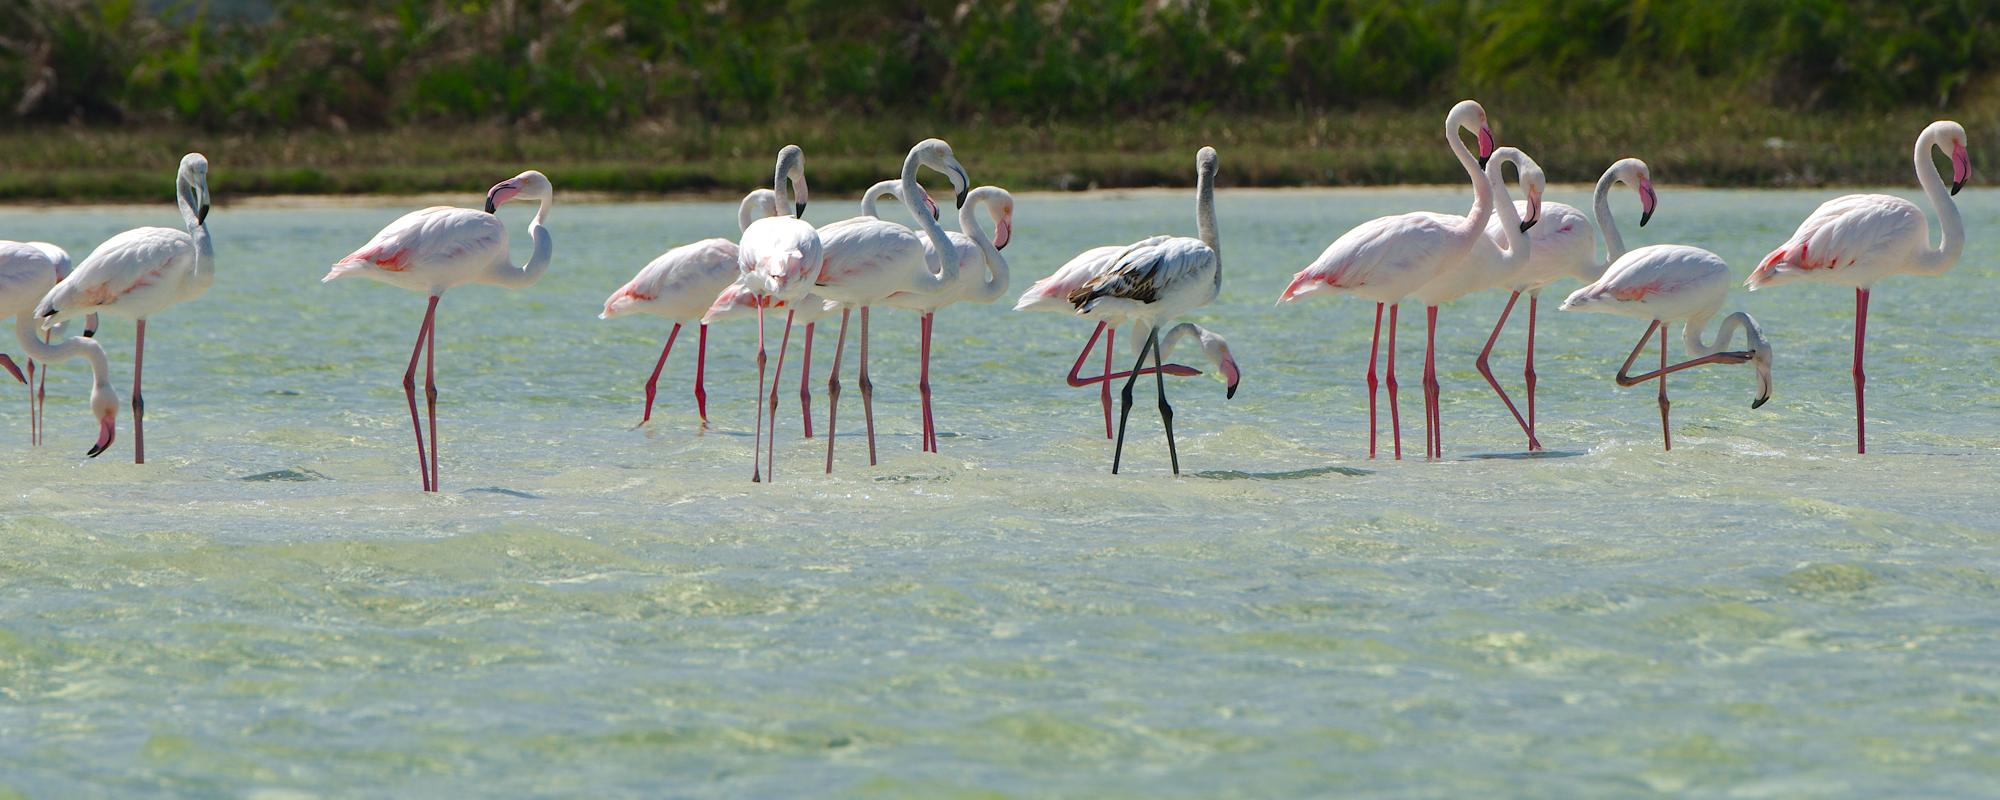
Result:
[
  {"x": 1212, "y": 345},
  {"x": 1388, "y": 258},
  {"x": 1052, "y": 294},
  {"x": 1154, "y": 281},
  {"x": 1490, "y": 266},
  {"x": 869, "y": 259},
  {"x": 1564, "y": 245},
  {"x": 442, "y": 247},
  {"x": 778, "y": 258},
  {"x": 140, "y": 272},
  {"x": 28, "y": 271},
  {"x": 1858, "y": 239},
  {"x": 1669, "y": 283},
  {"x": 681, "y": 284},
  {"x": 982, "y": 278}
]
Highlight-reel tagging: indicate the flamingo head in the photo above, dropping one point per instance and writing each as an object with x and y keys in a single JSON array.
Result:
[
  {"x": 103, "y": 406},
  {"x": 1000, "y": 204},
  {"x": 1533, "y": 183},
  {"x": 531, "y": 184},
  {"x": 1217, "y": 349},
  {"x": 932, "y": 205},
  {"x": 936, "y": 154},
  {"x": 193, "y": 180},
  {"x": 1470, "y": 115},
  {"x": 1760, "y": 362},
  {"x": 792, "y": 167},
  {"x": 12, "y": 369},
  {"x": 1952, "y": 137}
]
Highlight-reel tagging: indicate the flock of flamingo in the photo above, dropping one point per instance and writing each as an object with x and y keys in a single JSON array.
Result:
[{"x": 780, "y": 262}]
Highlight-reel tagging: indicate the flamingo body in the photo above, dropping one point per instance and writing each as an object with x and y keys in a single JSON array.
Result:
[
  {"x": 430, "y": 250},
  {"x": 1854, "y": 240}
]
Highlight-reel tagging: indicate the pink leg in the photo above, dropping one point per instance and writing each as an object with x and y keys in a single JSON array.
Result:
[
  {"x": 1860, "y": 377},
  {"x": 924, "y": 381},
  {"x": 410, "y": 392},
  {"x": 34, "y": 410},
  {"x": 1079, "y": 381},
  {"x": 778, "y": 376},
  {"x": 1666, "y": 431},
  {"x": 138, "y": 402},
  {"x": 1180, "y": 370},
  {"x": 1110, "y": 351},
  {"x": 1486, "y": 370},
  {"x": 1431, "y": 381},
  {"x": 1528, "y": 367},
  {"x": 757, "y": 445},
  {"x": 805, "y": 378},
  {"x": 431, "y": 399},
  {"x": 867, "y": 388},
  {"x": 833, "y": 388},
  {"x": 1374, "y": 348},
  {"x": 653, "y": 383},
  {"x": 700, "y": 367},
  {"x": 1395, "y": 409},
  {"x": 42, "y": 392}
]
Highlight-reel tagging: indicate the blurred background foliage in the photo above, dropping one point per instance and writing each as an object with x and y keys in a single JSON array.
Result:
[{"x": 608, "y": 64}]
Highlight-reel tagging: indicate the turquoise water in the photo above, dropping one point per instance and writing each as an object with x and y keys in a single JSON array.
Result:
[{"x": 271, "y": 609}]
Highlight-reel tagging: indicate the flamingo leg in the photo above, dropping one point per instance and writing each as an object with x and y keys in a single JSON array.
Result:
[
  {"x": 833, "y": 388},
  {"x": 34, "y": 410},
  {"x": 138, "y": 401},
  {"x": 1374, "y": 348},
  {"x": 757, "y": 445},
  {"x": 410, "y": 392},
  {"x": 700, "y": 367},
  {"x": 653, "y": 383},
  {"x": 1666, "y": 430},
  {"x": 1486, "y": 370},
  {"x": 1395, "y": 409},
  {"x": 1178, "y": 370},
  {"x": 1528, "y": 366},
  {"x": 1166, "y": 411},
  {"x": 1110, "y": 352},
  {"x": 1125, "y": 405},
  {"x": 42, "y": 391},
  {"x": 929, "y": 442},
  {"x": 867, "y": 388},
  {"x": 1431, "y": 383},
  {"x": 1860, "y": 377},
  {"x": 431, "y": 399},
  {"x": 805, "y": 381},
  {"x": 771, "y": 442}
]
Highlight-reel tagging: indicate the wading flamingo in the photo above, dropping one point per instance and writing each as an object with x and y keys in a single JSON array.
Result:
[
  {"x": 869, "y": 259},
  {"x": 778, "y": 258},
  {"x": 1667, "y": 283},
  {"x": 734, "y": 302},
  {"x": 1052, "y": 294},
  {"x": 982, "y": 278},
  {"x": 1388, "y": 258},
  {"x": 1156, "y": 280},
  {"x": 1564, "y": 245},
  {"x": 1490, "y": 265},
  {"x": 681, "y": 284},
  {"x": 141, "y": 272},
  {"x": 442, "y": 247},
  {"x": 1859, "y": 239},
  {"x": 28, "y": 271}
]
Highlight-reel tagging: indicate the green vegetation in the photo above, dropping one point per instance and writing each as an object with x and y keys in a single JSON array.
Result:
[{"x": 296, "y": 96}]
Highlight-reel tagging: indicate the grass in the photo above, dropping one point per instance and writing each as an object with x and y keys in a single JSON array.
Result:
[{"x": 1686, "y": 141}]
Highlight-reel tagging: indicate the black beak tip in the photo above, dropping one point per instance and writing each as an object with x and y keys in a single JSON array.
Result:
[
  {"x": 1483, "y": 160},
  {"x": 1759, "y": 402},
  {"x": 799, "y": 210},
  {"x": 89, "y": 333},
  {"x": 489, "y": 205},
  {"x": 1231, "y": 393},
  {"x": 1526, "y": 224},
  {"x": 999, "y": 247},
  {"x": 95, "y": 450},
  {"x": 1645, "y": 218},
  {"x": 201, "y": 216},
  {"x": 1955, "y": 186},
  {"x": 959, "y": 201}
]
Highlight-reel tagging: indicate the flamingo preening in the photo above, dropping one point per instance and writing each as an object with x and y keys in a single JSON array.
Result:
[
  {"x": 1156, "y": 280},
  {"x": 778, "y": 258},
  {"x": 28, "y": 272},
  {"x": 1052, "y": 294},
  {"x": 681, "y": 284},
  {"x": 1858, "y": 239},
  {"x": 141, "y": 272},
  {"x": 441, "y": 247},
  {"x": 1388, "y": 259}
]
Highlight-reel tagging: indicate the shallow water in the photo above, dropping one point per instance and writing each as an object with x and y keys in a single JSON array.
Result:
[{"x": 269, "y": 608}]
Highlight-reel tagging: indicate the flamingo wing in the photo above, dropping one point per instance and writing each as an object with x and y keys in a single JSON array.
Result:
[
  {"x": 1147, "y": 271},
  {"x": 27, "y": 272},
  {"x": 680, "y": 283},
  {"x": 1655, "y": 274},
  {"x": 1404, "y": 247},
  {"x": 780, "y": 253},
  {"x": 1858, "y": 229},
  {"x": 435, "y": 237},
  {"x": 139, "y": 270}
]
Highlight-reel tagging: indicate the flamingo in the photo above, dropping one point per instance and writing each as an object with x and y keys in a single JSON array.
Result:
[
  {"x": 1052, "y": 294},
  {"x": 28, "y": 271},
  {"x": 441, "y": 247},
  {"x": 140, "y": 272},
  {"x": 680, "y": 285},
  {"x": 1155, "y": 280},
  {"x": 1858, "y": 239},
  {"x": 868, "y": 259},
  {"x": 982, "y": 278},
  {"x": 778, "y": 258},
  {"x": 1563, "y": 246},
  {"x": 1489, "y": 266},
  {"x": 735, "y": 301},
  {"x": 1212, "y": 345},
  {"x": 1388, "y": 258},
  {"x": 1666, "y": 283}
]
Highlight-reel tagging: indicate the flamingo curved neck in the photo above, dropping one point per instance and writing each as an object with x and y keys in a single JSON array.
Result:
[
  {"x": 512, "y": 277},
  {"x": 186, "y": 196},
  {"x": 1607, "y": 225},
  {"x": 1503, "y": 206},
  {"x": 942, "y": 260},
  {"x": 994, "y": 283},
  {"x": 884, "y": 189},
  {"x": 1691, "y": 333},
  {"x": 1952, "y": 243},
  {"x": 1204, "y": 210},
  {"x": 73, "y": 347},
  {"x": 1482, "y": 192}
]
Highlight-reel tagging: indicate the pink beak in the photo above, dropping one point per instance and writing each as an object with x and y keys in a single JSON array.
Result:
[
  {"x": 14, "y": 370},
  {"x": 107, "y": 430},
  {"x": 932, "y": 205},
  {"x": 1003, "y": 231},
  {"x": 1231, "y": 375},
  {"x": 1961, "y": 167},
  {"x": 1647, "y": 200},
  {"x": 1485, "y": 145},
  {"x": 500, "y": 194}
]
